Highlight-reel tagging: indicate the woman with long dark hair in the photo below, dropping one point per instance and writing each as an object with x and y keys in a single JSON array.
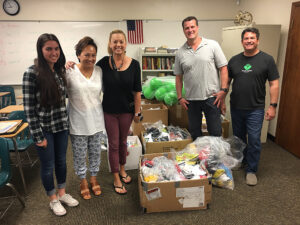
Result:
[{"x": 44, "y": 90}]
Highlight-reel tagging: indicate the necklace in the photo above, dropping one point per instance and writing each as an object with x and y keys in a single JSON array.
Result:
[{"x": 114, "y": 64}]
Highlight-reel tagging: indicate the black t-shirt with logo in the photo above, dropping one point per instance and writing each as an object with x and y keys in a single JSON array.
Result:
[
  {"x": 119, "y": 86},
  {"x": 249, "y": 76}
]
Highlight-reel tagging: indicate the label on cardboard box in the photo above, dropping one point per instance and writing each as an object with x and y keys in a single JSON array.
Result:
[
  {"x": 153, "y": 194},
  {"x": 191, "y": 196}
]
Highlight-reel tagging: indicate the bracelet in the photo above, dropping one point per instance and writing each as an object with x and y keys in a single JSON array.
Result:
[{"x": 178, "y": 99}]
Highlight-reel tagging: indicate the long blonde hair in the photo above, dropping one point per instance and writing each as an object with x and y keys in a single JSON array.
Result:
[{"x": 109, "y": 50}]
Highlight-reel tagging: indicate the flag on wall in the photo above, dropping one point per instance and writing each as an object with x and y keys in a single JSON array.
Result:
[{"x": 135, "y": 31}]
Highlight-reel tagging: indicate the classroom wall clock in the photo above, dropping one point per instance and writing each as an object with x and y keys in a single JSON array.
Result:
[
  {"x": 243, "y": 18},
  {"x": 11, "y": 7}
]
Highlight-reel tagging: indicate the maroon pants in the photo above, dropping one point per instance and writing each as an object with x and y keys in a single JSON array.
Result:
[{"x": 117, "y": 127}]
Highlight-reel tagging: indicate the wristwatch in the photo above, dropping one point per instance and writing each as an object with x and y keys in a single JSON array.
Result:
[
  {"x": 138, "y": 114},
  {"x": 273, "y": 104},
  {"x": 224, "y": 89}
]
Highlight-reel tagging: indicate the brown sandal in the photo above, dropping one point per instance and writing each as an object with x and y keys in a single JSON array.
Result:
[
  {"x": 84, "y": 190},
  {"x": 95, "y": 187}
]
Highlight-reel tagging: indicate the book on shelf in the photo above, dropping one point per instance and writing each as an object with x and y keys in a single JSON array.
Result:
[
  {"x": 144, "y": 63},
  {"x": 162, "y": 50},
  {"x": 158, "y": 63},
  {"x": 149, "y": 49}
]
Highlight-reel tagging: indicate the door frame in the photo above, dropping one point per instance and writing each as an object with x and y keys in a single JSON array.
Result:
[{"x": 285, "y": 71}]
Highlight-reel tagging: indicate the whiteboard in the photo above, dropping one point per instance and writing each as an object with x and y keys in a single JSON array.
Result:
[{"x": 18, "y": 40}]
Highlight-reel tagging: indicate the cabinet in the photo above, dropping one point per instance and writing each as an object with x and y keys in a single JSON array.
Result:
[
  {"x": 156, "y": 64},
  {"x": 268, "y": 42}
]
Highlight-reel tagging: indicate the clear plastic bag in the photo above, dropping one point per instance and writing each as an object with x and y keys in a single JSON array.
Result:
[
  {"x": 156, "y": 132},
  {"x": 218, "y": 156},
  {"x": 163, "y": 169},
  {"x": 237, "y": 147},
  {"x": 176, "y": 133},
  {"x": 222, "y": 177}
]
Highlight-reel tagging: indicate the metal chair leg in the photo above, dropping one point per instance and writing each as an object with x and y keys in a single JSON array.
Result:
[
  {"x": 20, "y": 165},
  {"x": 17, "y": 193}
]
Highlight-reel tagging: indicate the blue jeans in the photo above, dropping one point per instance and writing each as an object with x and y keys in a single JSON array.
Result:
[
  {"x": 212, "y": 114},
  {"x": 249, "y": 122},
  {"x": 54, "y": 157}
]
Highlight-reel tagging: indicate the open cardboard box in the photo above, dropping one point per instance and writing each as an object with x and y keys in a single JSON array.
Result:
[
  {"x": 164, "y": 146},
  {"x": 194, "y": 194},
  {"x": 151, "y": 113},
  {"x": 178, "y": 116}
]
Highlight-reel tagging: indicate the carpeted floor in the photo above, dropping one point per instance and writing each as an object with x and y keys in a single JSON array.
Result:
[{"x": 275, "y": 200}]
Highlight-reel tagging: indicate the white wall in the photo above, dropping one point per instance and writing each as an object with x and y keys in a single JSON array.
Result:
[
  {"x": 264, "y": 12},
  {"x": 272, "y": 12},
  {"x": 105, "y": 10}
]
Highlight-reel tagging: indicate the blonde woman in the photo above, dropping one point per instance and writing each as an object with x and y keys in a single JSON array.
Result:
[{"x": 121, "y": 103}]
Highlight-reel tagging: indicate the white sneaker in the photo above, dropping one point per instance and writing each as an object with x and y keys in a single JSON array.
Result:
[
  {"x": 57, "y": 208},
  {"x": 68, "y": 200}
]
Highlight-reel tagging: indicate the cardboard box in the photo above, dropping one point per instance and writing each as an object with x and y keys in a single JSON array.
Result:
[
  {"x": 173, "y": 195},
  {"x": 133, "y": 153},
  {"x": 164, "y": 146},
  {"x": 160, "y": 112},
  {"x": 145, "y": 101},
  {"x": 225, "y": 128},
  {"x": 178, "y": 116}
]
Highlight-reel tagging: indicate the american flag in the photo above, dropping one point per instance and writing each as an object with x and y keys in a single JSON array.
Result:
[{"x": 135, "y": 31}]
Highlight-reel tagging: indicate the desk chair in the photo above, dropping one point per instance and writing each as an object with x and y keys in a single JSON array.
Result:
[
  {"x": 8, "y": 99},
  {"x": 5, "y": 175},
  {"x": 23, "y": 140}
]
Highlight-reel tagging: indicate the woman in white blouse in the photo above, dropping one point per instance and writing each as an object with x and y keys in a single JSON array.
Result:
[{"x": 86, "y": 114}]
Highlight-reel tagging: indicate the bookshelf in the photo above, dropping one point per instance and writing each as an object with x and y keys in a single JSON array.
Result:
[{"x": 156, "y": 64}]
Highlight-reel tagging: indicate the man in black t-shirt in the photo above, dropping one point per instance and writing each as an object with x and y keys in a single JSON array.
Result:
[{"x": 249, "y": 71}]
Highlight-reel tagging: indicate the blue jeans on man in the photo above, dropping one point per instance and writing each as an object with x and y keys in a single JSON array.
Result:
[
  {"x": 248, "y": 123},
  {"x": 212, "y": 114},
  {"x": 54, "y": 158}
]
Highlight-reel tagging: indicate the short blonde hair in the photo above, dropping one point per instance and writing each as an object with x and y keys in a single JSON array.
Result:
[{"x": 110, "y": 35}]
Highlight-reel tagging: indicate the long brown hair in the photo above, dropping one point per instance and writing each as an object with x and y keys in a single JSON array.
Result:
[{"x": 50, "y": 93}]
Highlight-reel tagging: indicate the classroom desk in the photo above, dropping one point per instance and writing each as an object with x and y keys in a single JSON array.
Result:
[
  {"x": 11, "y": 108},
  {"x": 19, "y": 161}
]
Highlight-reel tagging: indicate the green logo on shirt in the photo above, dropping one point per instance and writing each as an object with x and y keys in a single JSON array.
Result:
[{"x": 247, "y": 67}]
